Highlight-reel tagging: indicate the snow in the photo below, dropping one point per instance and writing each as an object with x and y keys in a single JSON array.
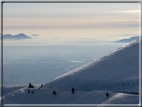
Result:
[
  {"x": 10, "y": 88},
  {"x": 66, "y": 97},
  {"x": 121, "y": 98},
  {"x": 116, "y": 74}
]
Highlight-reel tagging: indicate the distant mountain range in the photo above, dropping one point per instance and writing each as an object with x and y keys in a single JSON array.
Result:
[
  {"x": 17, "y": 37},
  {"x": 129, "y": 39}
]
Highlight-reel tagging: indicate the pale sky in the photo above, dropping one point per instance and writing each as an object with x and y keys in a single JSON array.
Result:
[{"x": 91, "y": 20}]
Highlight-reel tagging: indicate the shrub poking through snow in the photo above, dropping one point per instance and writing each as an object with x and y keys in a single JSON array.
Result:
[
  {"x": 41, "y": 85},
  {"x": 107, "y": 94},
  {"x": 54, "y": 92},
  {"x": 72, "y": 90},
  {"x": 30, "y": 85},
  {"x": 28, "y": 91}
]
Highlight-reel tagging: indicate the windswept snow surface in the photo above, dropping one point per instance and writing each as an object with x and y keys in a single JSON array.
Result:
[{"x": 116, "y": 73}]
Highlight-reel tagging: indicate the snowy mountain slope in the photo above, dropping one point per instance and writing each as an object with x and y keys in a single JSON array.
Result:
[
  {"x": 66, "y": 97},
  {"x": 117, "y": 71},
  {"x": 62, "y": 97},
  {"x": 10, "y": 88}
]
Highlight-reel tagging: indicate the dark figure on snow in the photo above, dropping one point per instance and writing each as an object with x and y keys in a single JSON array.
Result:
[
  {"x": 30, "y": 85},
  {"x": 107, "y": 94},
  {"x": 54, "y": 92},
  {"x": 41, "y": 85},
  {"x": 72, "y": 90}
]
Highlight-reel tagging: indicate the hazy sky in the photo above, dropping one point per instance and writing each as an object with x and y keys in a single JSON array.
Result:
[{"x": 93, "y": 20}]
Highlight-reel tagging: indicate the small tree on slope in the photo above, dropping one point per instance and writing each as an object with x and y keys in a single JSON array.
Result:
[
  {"x": 72, "y": 90},
  {"x": 54, "y": 92},
  {"x": 30, "y": 85},
  {"x": 107, "y": 94}
]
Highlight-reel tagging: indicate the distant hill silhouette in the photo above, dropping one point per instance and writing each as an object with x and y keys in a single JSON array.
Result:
[
  {"x": 34, "y": 35},
  {"x": 17, "y": 37},
  {"x": 129, "y": 40}
]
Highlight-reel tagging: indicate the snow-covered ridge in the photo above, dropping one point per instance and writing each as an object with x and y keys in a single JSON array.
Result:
[{"x": 117, "y": 71}]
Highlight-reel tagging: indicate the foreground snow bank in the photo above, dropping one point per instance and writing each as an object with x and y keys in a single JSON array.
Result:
[
  {"x": 8, "y": 88},
  {"x": 39, "y": 96},
  {"x": 121, "y": 98}
]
